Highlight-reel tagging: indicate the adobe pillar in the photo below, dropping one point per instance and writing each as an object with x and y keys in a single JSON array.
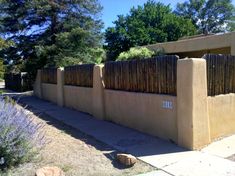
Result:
[{"x": 192, "y": 109}]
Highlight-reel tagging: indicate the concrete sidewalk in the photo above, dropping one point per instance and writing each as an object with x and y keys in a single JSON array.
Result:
[{"x": 164, "y": 155}]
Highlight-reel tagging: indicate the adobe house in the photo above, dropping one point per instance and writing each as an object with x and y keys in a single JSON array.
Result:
[{"x": 197, "y": 46}]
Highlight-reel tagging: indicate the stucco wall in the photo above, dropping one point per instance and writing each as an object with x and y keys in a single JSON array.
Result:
[
  {"x": 222, "y": 115},
  {"x": 49, "y": 92},
  {"x": 142, "y": 111},
  {"x": 79, "y": 98}
]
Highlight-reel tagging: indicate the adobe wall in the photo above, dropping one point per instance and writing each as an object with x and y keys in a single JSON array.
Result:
[
  {"x": 143, "y": 111},
  {"x": 222, "y": 115},
  {"x": 79, "y": 98},
  {"x": 49, "y": 92}
]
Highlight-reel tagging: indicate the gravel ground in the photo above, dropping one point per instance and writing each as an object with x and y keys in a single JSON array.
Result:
[{"x": 76, "y": 154}]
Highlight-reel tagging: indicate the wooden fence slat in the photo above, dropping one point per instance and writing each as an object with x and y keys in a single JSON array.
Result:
[
  {"x": 220, "y": 74},
  {"x": 79, "y": 75},
  {"x": 154, "y": 75},
  {"x": 49, "y": 75}
]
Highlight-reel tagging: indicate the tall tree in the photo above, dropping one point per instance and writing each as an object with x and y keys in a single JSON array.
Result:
[
  {"x": 207, "y": 15},
  {"x": 231, "y": 22},
  {"x": 47, "y": 32},
  {"x": 3, "y": 44},
  {"x": 153, "y": 22}
]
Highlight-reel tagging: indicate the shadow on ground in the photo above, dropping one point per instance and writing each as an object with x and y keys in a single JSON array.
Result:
[
  {"x": 106, "y": 135},
  {"x": 107, "y": 150}
]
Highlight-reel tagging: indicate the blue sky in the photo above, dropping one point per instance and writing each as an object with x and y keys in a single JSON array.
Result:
[{"x": 112, "y": 8}]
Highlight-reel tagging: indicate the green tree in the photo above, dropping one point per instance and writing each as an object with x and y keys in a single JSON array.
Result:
[
  {"x": 50, "y": 32},
  {"x": 231, "y": 22},
  {"x": 153, "y": 22},
  {"x": 3, "y": 44},
  {"x": 136, "y": 53},
  {"x": 207, "y": 15},
  {"x": 2, "y": 69}
]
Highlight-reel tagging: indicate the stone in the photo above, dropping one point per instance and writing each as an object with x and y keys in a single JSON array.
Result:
[
  {"x": 49, "y": 171},
  {"x": 126, "y": 159}
]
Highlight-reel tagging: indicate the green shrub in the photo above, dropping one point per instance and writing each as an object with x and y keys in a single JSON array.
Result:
[{"x": 136, "y": 53}]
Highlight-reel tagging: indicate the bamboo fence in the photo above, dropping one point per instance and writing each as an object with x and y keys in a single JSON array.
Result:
[
  {"x": 154, "y": 75},
  {"x": 49, "y": 75},
  {"x": 79, "y": 75},
  {"x": 220, "y": 74}
]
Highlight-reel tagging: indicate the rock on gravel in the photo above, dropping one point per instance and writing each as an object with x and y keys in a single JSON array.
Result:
[
  {"x": 126, "y": 159},
  {"x": 49, "y": 171}
]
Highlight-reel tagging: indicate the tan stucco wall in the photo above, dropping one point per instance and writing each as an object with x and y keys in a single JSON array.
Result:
[
  {"x": 142, "y": 111},
  {"x": 192, "y": 110},
  {"x": 215, "y": 43},
  {"x": 222, "y": 115},
  {"x": 49, "y": 92},
  {"x": 79, "y": 98}
]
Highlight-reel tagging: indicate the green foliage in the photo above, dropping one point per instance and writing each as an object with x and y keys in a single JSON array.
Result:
[
  {"x": 136, "y": 53},
  {"x": 3, "y": 45},
  {"x": 207, "y": 15},
  {"x": 148, "y": 24},
  {"x": 231, "y": 23},
  {"x": 2, "y": 70},
  {"x": 51, "y": 33}
]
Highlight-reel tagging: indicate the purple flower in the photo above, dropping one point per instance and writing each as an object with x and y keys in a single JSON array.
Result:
[{"x": 20, "y": 136}]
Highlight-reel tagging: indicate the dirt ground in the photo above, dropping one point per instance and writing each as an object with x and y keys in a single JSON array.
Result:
[{"x": 76, "y": 154}]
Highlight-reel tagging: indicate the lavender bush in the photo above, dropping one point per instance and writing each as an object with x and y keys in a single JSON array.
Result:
[{"x": 20, "y": 137}]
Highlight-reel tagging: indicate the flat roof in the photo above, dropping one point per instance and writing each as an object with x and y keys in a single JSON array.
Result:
[{"x": 197, "y": 44}]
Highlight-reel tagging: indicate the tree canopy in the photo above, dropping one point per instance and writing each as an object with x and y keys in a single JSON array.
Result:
[
  {"x": 207, "y": 15},
  {"x": 136, "y": 53},
  {"x": 51, "y": 32},
  {"x": 2, "y": 69},
  {"x": 153, "y": 22},
  {"x": 231, "y": 22},
  {"x": 3, "y": 44}
]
